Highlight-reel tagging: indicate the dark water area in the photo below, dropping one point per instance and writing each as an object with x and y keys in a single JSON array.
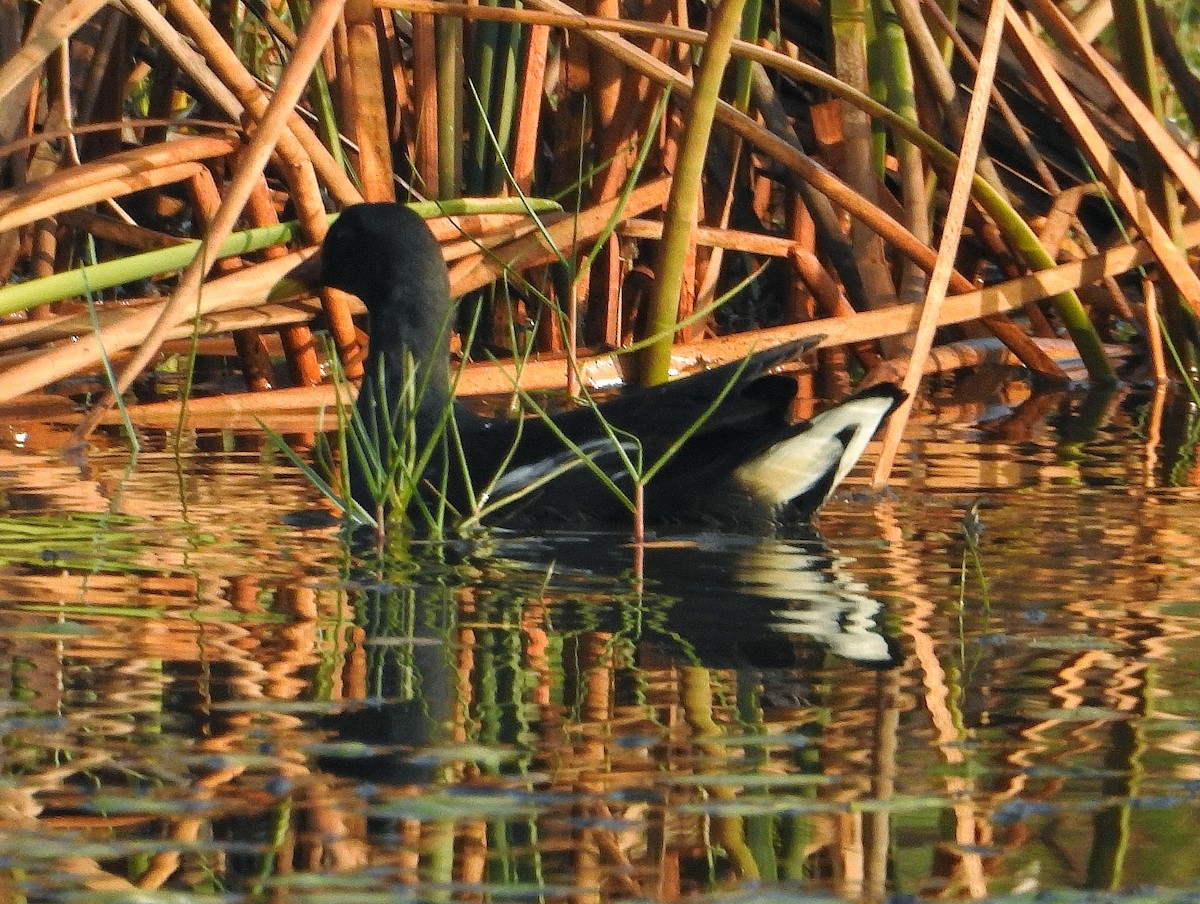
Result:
[{"x": 202, "y": 701}]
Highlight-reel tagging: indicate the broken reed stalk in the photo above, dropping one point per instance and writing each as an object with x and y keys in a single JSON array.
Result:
[
  {"x": 1158, "y": 358},
  {"x": 487, "y": 231},
  {"x": 568, "y": 231},
  {"x": 299, "y": 170},
  {"x": 299, "y": 404},
  {"x": 939, "y": 280},
  {"x": 934, "y": 13},
  {"x": 231, "y": 302},
  {"x": 1182, "y": 166},
  {"x": 227, "y": 51},
  {"x": 248, "y": 285},
  {"x": 193, "y": 64}
]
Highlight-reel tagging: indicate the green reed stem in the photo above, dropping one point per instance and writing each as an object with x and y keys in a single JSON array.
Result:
[{"x": 680, "y": 218}]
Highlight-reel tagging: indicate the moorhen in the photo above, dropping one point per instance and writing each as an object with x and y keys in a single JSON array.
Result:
[{"x": 746, "y": 458}]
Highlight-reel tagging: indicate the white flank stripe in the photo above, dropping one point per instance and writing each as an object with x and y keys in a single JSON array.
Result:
[
  {"x": 793, "y": 467},
  {"x": 594, "y": 450}
]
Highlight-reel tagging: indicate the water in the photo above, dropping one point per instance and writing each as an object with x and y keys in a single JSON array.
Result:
[{"x": 201, "y": 700}]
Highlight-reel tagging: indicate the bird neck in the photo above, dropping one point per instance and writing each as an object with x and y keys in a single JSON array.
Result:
[{"x": 411, "y": 356}]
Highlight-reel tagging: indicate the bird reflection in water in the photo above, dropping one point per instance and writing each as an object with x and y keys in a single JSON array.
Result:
[{"x": 777, "y": 611}]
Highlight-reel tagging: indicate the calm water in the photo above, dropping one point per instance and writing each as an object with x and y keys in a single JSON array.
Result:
[{"x": 201, "y": 700}]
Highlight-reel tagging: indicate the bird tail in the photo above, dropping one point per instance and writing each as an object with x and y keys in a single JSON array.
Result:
[{"x": 804, "y": 469}]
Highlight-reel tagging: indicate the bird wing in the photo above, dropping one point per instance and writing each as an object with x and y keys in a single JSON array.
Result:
[{"x": 753, "y": 400}]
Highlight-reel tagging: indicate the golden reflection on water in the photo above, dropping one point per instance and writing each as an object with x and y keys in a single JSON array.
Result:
[{"x": 201, "y": 698}]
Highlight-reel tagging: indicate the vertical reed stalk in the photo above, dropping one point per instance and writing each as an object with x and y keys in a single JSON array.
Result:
[
  {"x": 370, "y": 112},
  {"x": 1137, "y": 60},
  {"x": 902, "y": 97},
  {"x": 851, "y": 23},
  {"x": 529, "y": 107},
  {"x": 297, "y": 339},
  {"x": 449, "y": 43},
  {"x": 425, "y": 88},
  {"x": 655, "y": 361}
]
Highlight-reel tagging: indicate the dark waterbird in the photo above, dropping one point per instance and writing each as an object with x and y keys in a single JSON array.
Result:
[{"x": 746, "y": 457}]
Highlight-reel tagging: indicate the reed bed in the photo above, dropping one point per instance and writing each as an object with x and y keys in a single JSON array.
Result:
[{"x": 162, "y": 166}]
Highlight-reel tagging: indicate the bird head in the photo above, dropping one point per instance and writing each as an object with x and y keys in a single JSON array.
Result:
[{"x": 385, "y": 254}]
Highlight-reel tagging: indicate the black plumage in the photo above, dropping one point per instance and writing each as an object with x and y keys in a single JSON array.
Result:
[{"x": 745, "y": 457}]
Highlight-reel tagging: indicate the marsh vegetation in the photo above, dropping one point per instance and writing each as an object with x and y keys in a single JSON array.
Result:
[{"x": 979, "y": 682}]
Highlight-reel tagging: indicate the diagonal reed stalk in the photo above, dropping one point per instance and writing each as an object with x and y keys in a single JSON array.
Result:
[{"x": 952, "y": 227}]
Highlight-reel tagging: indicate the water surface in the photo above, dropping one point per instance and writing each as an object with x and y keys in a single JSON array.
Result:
[{"x": 201, "y": 699}]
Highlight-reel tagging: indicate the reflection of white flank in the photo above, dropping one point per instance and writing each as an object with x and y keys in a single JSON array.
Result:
[
  {"x": 833, "y": 442},
  {"x": 824, "y": 603}
]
